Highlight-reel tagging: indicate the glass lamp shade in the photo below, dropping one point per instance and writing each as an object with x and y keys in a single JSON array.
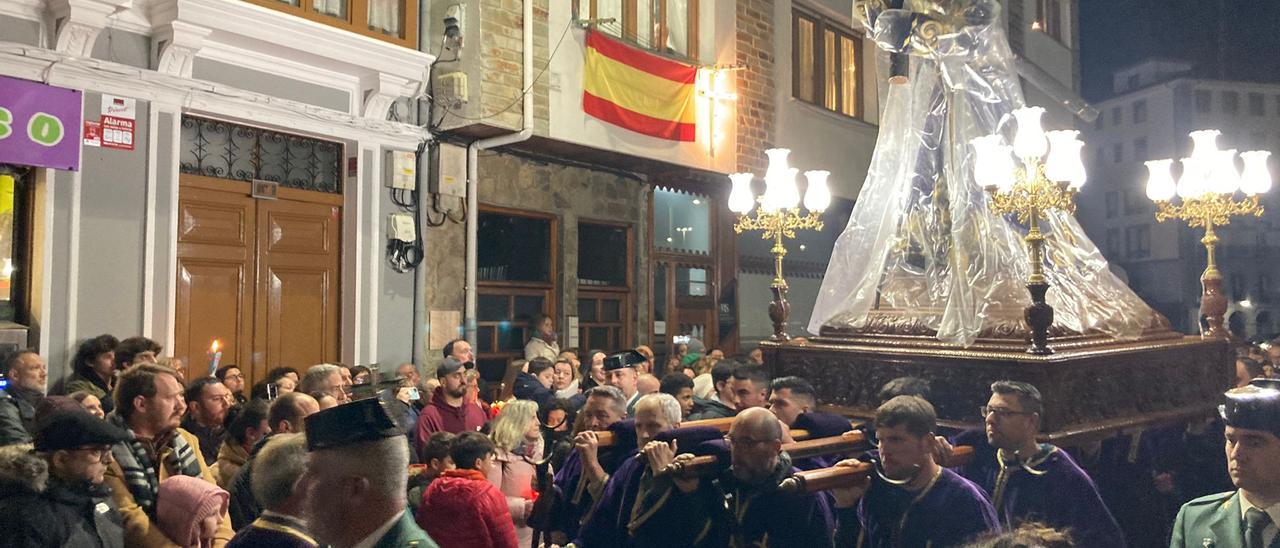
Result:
[
  {"x": 1065, "y": 163},
  {"x": 993, "y": 165},
  {"x": 1192, "y": 182},
  {"x": 1205, "y": 144},
  {"x": 1224, "y": 178},
  {"x": 1256, "y": 178},
  {"x": 788, "y": 192},
  {"x": 1029, "y": 142},
  {"x": 775, "y": 180},
  {"x": 818, "y": 196},
  {"x": 1160, "y": 184},
  {"x": 740, "y": 198}
]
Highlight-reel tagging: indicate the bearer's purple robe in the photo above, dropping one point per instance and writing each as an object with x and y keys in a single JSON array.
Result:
[
  {"x": 950, "y": 512},
  {"x": 1063, "y": 497},
  {"x": 821, "y": 425},
  {"x": 606, "y": 525},
  {"x": 726, "y": 512},
  {"x": 573, "y": 498}
]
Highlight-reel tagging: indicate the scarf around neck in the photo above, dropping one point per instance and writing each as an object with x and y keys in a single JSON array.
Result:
[{"x": 139, "y": 467}]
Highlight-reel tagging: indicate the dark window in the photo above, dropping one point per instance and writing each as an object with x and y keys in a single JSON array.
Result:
[
  {"x": 602, "y": 319},
  {"x": 1098, "y": 123},
  {"x": 514, "y": 248},
  {"x": 1257, "y": 105},
  {"x": 1115, "y": 116},
  {"x": 1140, "y": 149},
  {"x": 1137, "y": 242},
  {"x": 1133, "y": 82},
  {"x": 1139, "y": 111},
  {"x": 1239, "y": 288},
  {"x": 1113, "y": 243},
  {"x": 1050, "y": 19},
  {"x": 1113, "y": 205},
  {"x": 1230, "y": 102},
  {"x": 1204, "y": 101},
  {"x": 1117, "y": 152},
  {"x": 603, "y": 255},
  {"x": 668, "y": 26},
  {"x": 826, "y": 62}
]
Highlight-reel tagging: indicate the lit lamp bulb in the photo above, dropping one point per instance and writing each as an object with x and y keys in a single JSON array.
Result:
[
  {"x": 1064, "y": 163},
  {"x": 740, "y": 198},
  {"x": 788, "y": 192},
  {"x": 1029, "y": 142},
  {"x": 1160, "y": 184},
  {"x": 993, "y": 165},
  {"x": 818, "y": 196},
  {"x": 1204, "y": 144},
  {"x": 1256, "y": 178},
  {"x": 775, "y": 180},
  {"x": 1191, "y": 183},
  {"x": 1225, "y": 178}
]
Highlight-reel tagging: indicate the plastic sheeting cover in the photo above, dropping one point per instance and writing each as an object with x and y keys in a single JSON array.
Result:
[{"x": 921, "y": 240}]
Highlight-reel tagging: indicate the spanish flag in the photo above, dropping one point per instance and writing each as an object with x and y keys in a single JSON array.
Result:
[{"x": 639, "y": 91}]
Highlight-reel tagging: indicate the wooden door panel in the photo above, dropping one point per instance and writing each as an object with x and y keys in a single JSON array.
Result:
[
  {"x": 213, "y": 223},
  {"x": 297, "y": 308},
  {"x": 293, "y": 233},
  {"x": 300, "y": 317},
  {"x": 213, "y": 303},
  {"x": 214, "y": 297}
]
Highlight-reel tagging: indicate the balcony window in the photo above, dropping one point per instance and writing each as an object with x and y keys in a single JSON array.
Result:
[
  {"x": 665, "y": 26},
  {"x": 394, "y": 21}
]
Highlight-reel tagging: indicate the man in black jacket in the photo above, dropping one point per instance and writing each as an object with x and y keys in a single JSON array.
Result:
[
  {"x": 722, "y": 402},
  {"x": 53, "y": 495},
  {"x": 28, "y": 378}
]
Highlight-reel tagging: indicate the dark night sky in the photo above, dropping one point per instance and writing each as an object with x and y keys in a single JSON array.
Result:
[{"x": 1118, "y": 33}]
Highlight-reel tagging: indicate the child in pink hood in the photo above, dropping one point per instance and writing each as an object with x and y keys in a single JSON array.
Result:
[{"x": 189, "y": 510}]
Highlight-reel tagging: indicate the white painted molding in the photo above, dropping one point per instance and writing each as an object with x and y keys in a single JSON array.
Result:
[
  {"x": 301, "y": 71},
  {"x": 250, "y": 26},
  {"x": 73, "y": 262},
  {"x": 79, "y": 22},
  {"x": 31, "y": 10},
  {"x": 380, "y": 90},
  {"x": 176, "y": 44},
  {"x": 149, "y": 224},
  {"x": 199, "y": 96}
]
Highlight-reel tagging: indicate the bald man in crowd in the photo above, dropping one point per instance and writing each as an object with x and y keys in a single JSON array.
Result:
[{"x": 693, "y": 512}]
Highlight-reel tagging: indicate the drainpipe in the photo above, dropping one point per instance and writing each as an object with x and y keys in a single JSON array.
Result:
[{"x": 473, "y": 183}]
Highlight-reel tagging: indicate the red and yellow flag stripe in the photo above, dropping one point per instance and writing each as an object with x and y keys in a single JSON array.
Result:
[{"x": 639, "y": 91}]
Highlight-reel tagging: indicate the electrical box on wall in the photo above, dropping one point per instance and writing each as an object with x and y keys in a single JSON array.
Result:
[
  {"x": 449, "y": 178},
  {"x": 400, "y": 227},
  {"x": 402, "y": 169},
  {"x": 451, "y": 88}
]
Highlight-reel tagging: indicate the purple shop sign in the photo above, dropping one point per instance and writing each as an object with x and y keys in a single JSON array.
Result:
[{"x": 39, "y": 124}]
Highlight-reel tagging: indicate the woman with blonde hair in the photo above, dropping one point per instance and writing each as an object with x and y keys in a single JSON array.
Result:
[{"x": 517, "y": 436}]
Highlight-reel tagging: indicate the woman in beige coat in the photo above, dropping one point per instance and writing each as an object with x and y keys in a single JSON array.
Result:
[
  {"x": 518, "y": 437},
  {"x": 542, "y": 344}
]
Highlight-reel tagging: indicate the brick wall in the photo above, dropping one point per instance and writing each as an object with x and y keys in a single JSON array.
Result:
[
  {"x": 755, "y": 31},
  {"x": 501, "y": 45}
]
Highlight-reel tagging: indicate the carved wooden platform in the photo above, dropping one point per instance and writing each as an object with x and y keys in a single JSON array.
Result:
[{"x": 1093, "y": 386}]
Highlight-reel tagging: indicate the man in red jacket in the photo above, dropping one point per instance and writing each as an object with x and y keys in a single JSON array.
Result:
[
  {"x": 448, "y": 411},
  {"x": 461, "y": 508}
]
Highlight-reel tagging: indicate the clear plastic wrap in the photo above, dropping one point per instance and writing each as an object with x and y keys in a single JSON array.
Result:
[{"x": 921, "y": 242}]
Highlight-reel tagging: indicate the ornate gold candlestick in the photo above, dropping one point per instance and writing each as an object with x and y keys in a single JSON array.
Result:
[
  {"x": 1207, "y": 189},
  {"x": 779, "y": 216}
]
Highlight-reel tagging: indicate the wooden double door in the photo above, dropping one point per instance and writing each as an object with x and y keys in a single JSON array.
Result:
[{"x": 260, "y": 276}]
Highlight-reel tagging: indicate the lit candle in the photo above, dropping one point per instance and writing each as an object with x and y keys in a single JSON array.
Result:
[{"x": 215, "y": 356}]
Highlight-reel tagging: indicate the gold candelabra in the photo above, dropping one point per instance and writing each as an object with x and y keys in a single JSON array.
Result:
[
  {"x": 779, "y": 216},
  {"x": 1207, "y": 188},
  {"x": 1030, "y": 191},
  {"x": 1028, "y": 199}
]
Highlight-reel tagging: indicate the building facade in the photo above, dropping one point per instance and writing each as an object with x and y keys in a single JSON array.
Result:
[
  {"x": 231, "y": 182},
  {"x": 1156, "y": 105}
]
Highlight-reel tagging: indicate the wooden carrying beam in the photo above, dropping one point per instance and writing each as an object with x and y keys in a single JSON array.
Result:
[
  {"x": 844, "y": 443},
  {"x": 606, "y": 438},
  {"x": 822, "y": 479}
]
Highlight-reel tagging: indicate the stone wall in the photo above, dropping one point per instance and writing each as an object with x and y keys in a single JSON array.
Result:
[
  {"x": 755, "y": 32},
  {"x": 570, "y": 194}
]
